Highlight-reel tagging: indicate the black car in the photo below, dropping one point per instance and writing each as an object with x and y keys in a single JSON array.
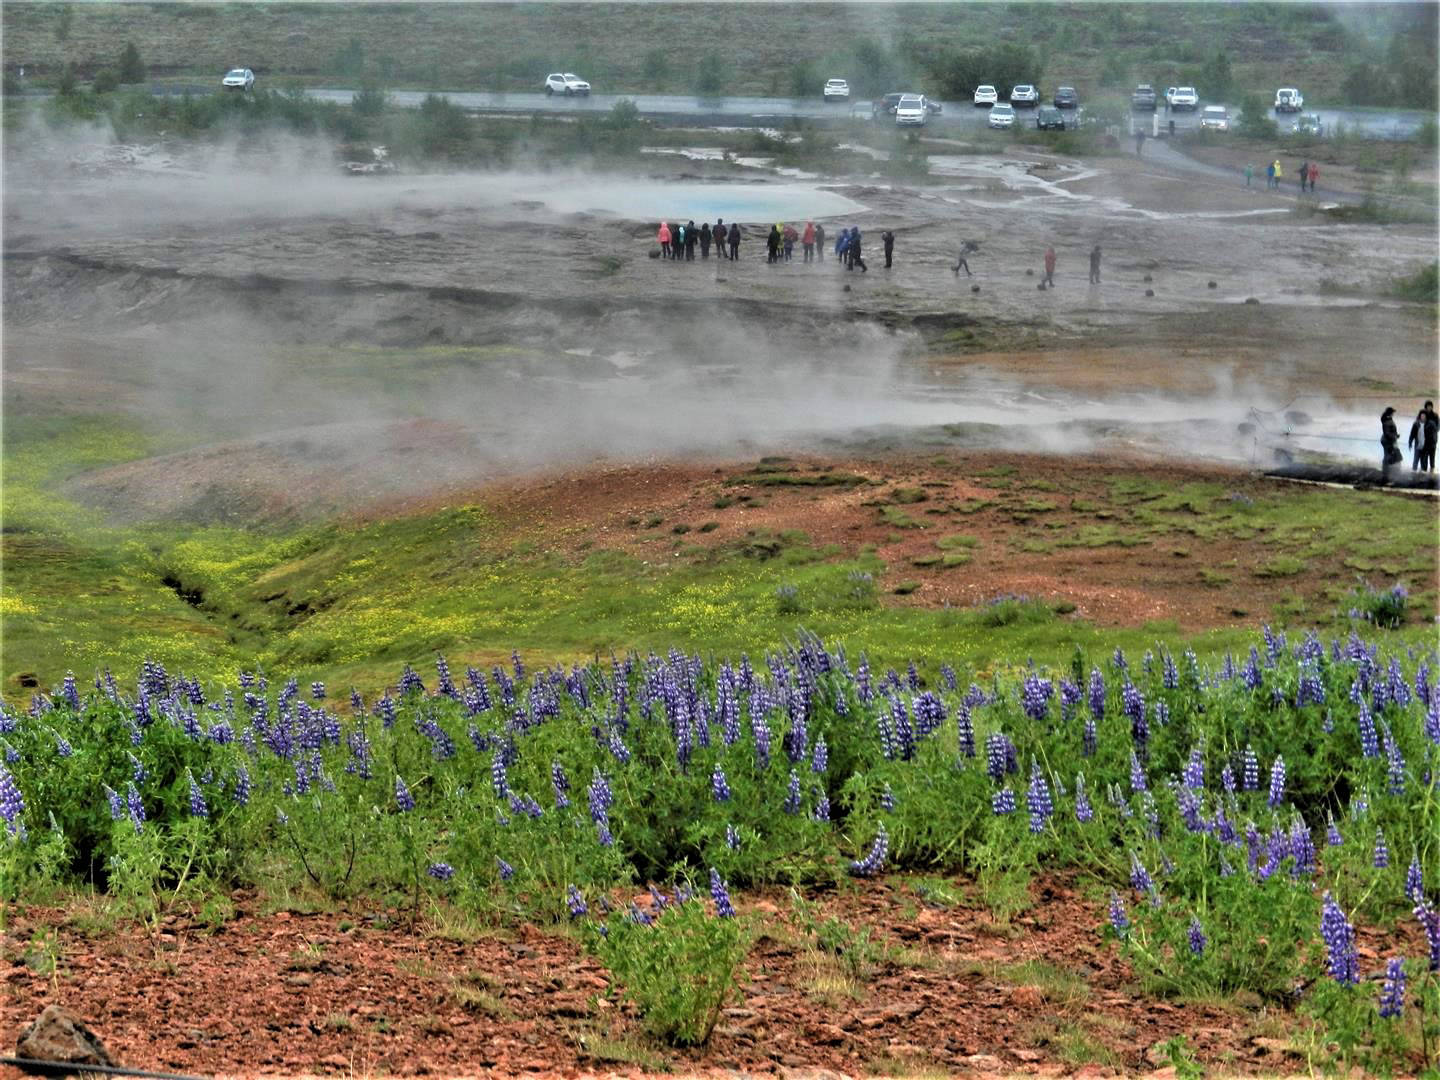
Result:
[
  {"x": 1050, "y": 119},
  {"x": 886, "y": 104},
  {"x": 1066, "y": 98}
]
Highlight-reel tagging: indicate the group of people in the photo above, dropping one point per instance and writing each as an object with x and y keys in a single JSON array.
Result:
[
  {"x": 679, "y": 241},
  {"x": 1424, "y": 433},
  {"x": 1309, "y": 173}
]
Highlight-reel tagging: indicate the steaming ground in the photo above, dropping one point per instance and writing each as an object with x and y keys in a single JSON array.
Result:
[{"x": 312, "y": 340}]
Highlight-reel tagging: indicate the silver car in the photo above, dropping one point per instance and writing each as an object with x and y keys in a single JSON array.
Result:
[
  {"x": 238, "y": 79},
  {"x": 911, "y": 109}
]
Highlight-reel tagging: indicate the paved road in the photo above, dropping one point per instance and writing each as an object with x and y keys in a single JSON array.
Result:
[{"x": 760, "y": 112}]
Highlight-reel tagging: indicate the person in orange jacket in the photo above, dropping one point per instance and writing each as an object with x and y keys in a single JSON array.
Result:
[
  {"x": 807, "y": 241},
  {"x": 664, "y": 237},
  {"x": 1050, "y": 267}
]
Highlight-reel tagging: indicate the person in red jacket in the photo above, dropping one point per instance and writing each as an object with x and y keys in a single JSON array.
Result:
[
  {"x": 807, "y": 241},
  {"x": 1050, "y": 267},
  {"x": 664, "y": 237}
]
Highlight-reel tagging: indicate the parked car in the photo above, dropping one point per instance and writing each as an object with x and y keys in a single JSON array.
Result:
[
  {"x": 932, "y": 105},
  {"x": 1143, "y": 97},
  {"x": 1002, "y": 116},
  {"x": 1288, "y": 99},
  {"x": 238, "y": 79},
  {"x": 985, "y": 95},
  {"x": 911, "y": 109},
  {"x": 1066, "y": 98},
  {"x": 836, "y": 90},
  {"x": 1215, "y": 118},
  {"x": 567, "y": 84},
  {"x": 1049, "y": 118},
  {"x": 1308, "y": 124},
  {"x": 1024, "y": 96},
  {"x": 1182, "y": 97}
]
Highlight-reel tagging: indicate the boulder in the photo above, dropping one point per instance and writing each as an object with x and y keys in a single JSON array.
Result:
[
  {"x": 59, "y": 1035},
  {"x": 1149, "y": 292}
]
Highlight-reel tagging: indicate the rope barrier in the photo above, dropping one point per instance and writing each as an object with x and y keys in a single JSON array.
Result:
[{"x": 61, "y": 1068}]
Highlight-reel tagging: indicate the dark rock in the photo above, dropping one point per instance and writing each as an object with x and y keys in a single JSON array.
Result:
[
  {"x": 847, "y": 288},
  {"x": 59, "y": 1035},
  {"x": 1147, "y": 279},
  {"x": 1297, "y": 417},
  {"x": 1251, "y": 300},
  {"x": 974, "y": 288},
  {"x": 1041, "y": 286},
  {"x": 1149, "y": 292},
  {"x": 1211, "y": 285},
  {"x": 1029, "y": 273}
]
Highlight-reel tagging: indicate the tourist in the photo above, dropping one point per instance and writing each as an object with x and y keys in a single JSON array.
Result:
[
  {"x": 888, "y": 239},
  {"x": 1389, "y": 441},
  {"x": 820, "y": 243},
  {"x": 807, "y": 241},
  {"x": 664, "y": 237},
  {"x": 734, "y": 237},
  {"x": 1417, "y": 438},
  {"x": 1095, "y": 265},
  {"x": 1049, "y": 267},
  {"x": 853, "y": 251},
  {"x": 705, "y": 240}
]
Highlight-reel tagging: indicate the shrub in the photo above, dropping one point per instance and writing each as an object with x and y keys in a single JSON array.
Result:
[
  {"x": 678, "y": 966},
  {"x": 131, "y": 68},
  {"x": 106, "y": 81},
  {"x": 1383, "y": 607}
]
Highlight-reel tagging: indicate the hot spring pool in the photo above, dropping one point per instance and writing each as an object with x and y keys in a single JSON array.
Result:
[{"x": 657, "y": 200}]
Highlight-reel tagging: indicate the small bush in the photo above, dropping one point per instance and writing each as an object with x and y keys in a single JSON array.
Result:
[
  {"x": 1423, "y": 285},
  {"x": 1383, "y": 607},
  {"x": 678, "y": 967}
]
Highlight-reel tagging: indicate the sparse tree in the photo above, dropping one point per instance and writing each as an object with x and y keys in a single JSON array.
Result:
[
  {"x": 656, "y": 67},
  {"x": 131, "y": 68},
  {"x": 106, "y": 80},
  {"x": 710, "y": 76},
  {"x": 64, "y": 23},
  {"x": 1216, "y": 78}
]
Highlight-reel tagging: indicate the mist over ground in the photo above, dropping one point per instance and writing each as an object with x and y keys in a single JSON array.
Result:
[{"x": 317, "y": 338}]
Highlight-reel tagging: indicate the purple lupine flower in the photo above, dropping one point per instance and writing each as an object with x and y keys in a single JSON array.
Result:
[
  {"x": 1070, "y": 696},
  {"x": 561, "y": 785},
  {"x": 62, "y": 745},
  {"x": 1189, "y": 803},
  {"x": 1118, "y": 661},
  {"x": 1137, "y": 774},
  {"x": 732, "y": 838},
  {"x": 1339, "y": 938},
  {"x": 1035, "y": 696},
  {"x": 965, "y": 730},
  {"x": 404, "y": 802},
  {"x": 1250, "y": 776},
  {"x": 1097, "y": 694},
  {"x": 197, "y": 798},
  {"x": 499, "y": 775},
  {"x": 887, "y": 799},
  {"x": 1382, "y": 852},
  {"x": 1141, "y": 881},
  {"x": 1037, "y": 799},
  {"x": 1118, "y": 919},
  {"x": 575, "y": 902},
  {"x": 1277, "y": 782},
  {"x": 1392, "y": 993},
  {"x": 1395, "y": 767},
  {"x": 117, "y": 804},
  {"x": 721, "y": 895},
  {"x": 1332, "y": 833},
  {"x": 874, "y": 860},
  {"x": 1084, "y": 813},
  {"x": 1193, "y": 775},
  {"x": 719, "y": 785},
  {"x": 317, "y": 690},
  {"x": 600, "y": 796},
  {"x": 1302, "y": 849},
  {"x": 68, "y": 691},
  {"x": 1160, "y": 712},
  {"x": 792, "y": 795},
  {"x": 1430, "y": 922},
  {"x": 822, "y": 808},
  {"x": 820, "y": 757},
  {"x": 134, "y": 804},
  {"x": 1132, "y": 704},
  {"x": 1414, "y": 881},
  {"x": 1251, "y": 676},
  {"x": 1198, "y": 940},
  {"x": 1369, "y": 743},
  {"x": 1088, "y": 739},
  {"x": 440, "y": 871},
  {"x": 241, "y": 795},
  {"x": 506, "y": 870},
  {"x": 1227, "y": 779},
  {"x": 1002, "y": 802}
]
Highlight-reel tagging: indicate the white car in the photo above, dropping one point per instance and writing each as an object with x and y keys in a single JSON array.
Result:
[
  {"x": 837, "y": 90},
  {"x": 1024, "y": 94},
  {"x": 1182, "y": 97},
  {"x": 1002, "y": 116},
  {"x": 567, "y": 84},
  {"x": 911, "y": 109},
  {"x": 238, "y": 79},
  {"x": 986, "y": 95},
  {"x": 1215, "y": 118},
  {"x": 1288, "y": 99}
]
